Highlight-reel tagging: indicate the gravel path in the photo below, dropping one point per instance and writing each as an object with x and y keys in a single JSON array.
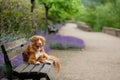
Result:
[{"x": 99, "y": 61}]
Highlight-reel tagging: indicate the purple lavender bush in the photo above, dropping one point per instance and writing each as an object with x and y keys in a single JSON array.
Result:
[
  {"x": 2, "y": 70},
  {"x": 64, "y": 42},
  {"x": 59, "y": 26},
  {"x": 56, "y": 41},
  {"x": 2, "y": 66}
]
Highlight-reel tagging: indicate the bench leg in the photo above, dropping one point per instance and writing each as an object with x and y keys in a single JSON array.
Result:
[
  {"x": 36, "y": 79},
  {"x": 47, "y": 77}
]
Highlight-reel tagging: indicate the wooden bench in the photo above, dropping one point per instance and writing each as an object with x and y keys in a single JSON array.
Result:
[
  {"x": 52, "y": 29},
  {"x": 23, "y": 71}
]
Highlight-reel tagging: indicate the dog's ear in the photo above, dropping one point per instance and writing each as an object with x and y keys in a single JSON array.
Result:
[
  {"x": 43, "y": 39},
  {"x": 32, "y": 38}
]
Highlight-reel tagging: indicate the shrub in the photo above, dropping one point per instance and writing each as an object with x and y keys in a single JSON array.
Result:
[
  {"x": 99, "y": 15},
  {"x": 15, "y": 17},
  {"x": 64, "y": 42}
]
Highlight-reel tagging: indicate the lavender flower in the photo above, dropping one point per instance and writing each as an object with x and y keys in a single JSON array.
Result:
[
  {"x": 59, "y": 26},
  {"x": 64, "y": 42},
  {"x": 2, "y": 71},
  {"x": 1, "y": 58},
  {"x": 57, "y": 41}
]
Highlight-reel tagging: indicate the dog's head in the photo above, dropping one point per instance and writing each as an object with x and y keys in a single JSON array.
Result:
[{"x": 37, "y": 41}]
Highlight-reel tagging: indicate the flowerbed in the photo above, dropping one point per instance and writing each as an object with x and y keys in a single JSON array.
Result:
[
  {"x": 64, "y": 42},
  {"x": 53, "y": 41}
]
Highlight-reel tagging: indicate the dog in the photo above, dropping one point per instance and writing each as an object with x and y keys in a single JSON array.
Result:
[{"x": 34, "y": 52}]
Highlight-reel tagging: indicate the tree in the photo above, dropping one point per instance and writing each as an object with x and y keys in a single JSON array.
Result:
[
  {"x": 33, "y": 5},
  {"x": 106, "y": 1},
  {"x": 60, "y": 9},
  {"x": 15, "y": 17},
  {"x": 34, "y": 24}
]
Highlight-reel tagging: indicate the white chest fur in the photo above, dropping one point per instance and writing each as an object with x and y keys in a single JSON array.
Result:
[{"x": 38, "y": 54}]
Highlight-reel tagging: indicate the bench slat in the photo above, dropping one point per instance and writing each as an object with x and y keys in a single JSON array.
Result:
[
  {"x": 28, "y": 68},
  {"x": 21, "y": 67},
  {"x": 15, "y": 53},
  {"x": 13, "y": 44},
  {"x": 37, "y": 68},
  {"x": 46, "y": 67}
]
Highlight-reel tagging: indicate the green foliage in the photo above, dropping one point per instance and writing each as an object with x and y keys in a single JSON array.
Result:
[
  {"x": 15, "y": 17},
  {"x": 39, "y": 13},
  {"x": 63, "y": 47},
  {"x": 104, "y": 14},
  {"x": 106, "y": 1},
  {"x": 60, "y": 10}
]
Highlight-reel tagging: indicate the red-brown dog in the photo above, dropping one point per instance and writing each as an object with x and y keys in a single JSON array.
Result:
[{"x": 34, "y": 52}]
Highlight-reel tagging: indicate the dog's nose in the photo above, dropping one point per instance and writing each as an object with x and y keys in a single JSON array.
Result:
[{"x": 40, "y": 42}]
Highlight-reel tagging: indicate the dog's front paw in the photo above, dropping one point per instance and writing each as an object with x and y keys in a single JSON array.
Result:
[
  {"x": 37, "y": 62},
  {"x": 47, "y": 62}
]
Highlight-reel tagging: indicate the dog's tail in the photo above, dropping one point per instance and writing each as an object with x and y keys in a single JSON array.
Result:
[{"x": 57, "y": 64}]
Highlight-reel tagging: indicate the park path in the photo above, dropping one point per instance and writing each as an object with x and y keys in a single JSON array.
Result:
[{"x": 100, "y": 60}]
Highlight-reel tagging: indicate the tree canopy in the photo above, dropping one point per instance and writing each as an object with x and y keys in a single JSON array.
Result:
[{"x": 61, "y": 9}]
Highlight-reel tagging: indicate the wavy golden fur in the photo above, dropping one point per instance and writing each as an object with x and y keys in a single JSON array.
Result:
[{"x": 29, "y": 55}]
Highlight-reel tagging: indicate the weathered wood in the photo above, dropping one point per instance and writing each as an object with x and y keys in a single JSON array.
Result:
[
  {"x": 46, "y": 67},
  {"x": 28, "y": 68},
  {"x": 15, "y": 52},
  {"x": 13, "y": 44},
  {"x": 37, "y": 68},
  {"x": 20, "y": 67}
]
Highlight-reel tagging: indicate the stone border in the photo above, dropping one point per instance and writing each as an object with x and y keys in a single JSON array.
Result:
[
  {"x": 111, "y": 31},
  {"x": 81, "y": 26}
]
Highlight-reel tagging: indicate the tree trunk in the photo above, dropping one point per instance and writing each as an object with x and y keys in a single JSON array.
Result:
[
  {"x": 33, "y": 5},
  {"x": 46, "y": 15},
  {"x": 34, "y": 24}
]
